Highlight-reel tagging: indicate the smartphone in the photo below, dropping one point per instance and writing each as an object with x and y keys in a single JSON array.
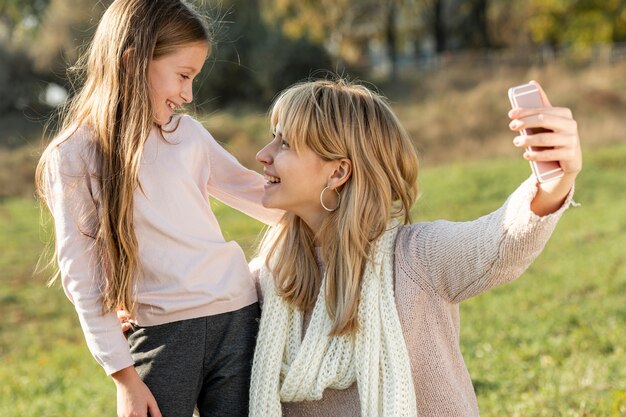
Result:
[{"x": 527, "y": 96}]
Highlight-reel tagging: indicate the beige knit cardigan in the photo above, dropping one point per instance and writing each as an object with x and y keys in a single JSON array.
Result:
[{"x": 438, "y": 265}]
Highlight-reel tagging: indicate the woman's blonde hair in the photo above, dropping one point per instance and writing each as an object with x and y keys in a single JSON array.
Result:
[
  {"x": 339, "y": 119},
  {"x": 114, "y": 102}
]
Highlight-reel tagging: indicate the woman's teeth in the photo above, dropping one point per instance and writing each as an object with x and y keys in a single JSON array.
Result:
[{"x": 271, "y": 179}]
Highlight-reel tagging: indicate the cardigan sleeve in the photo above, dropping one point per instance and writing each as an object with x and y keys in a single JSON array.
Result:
[
  {"x": 70, "y": 198},
  {"x": 462, "y": 259}
]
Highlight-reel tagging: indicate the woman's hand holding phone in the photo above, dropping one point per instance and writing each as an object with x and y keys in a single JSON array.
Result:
[{"x": 561, "y": 142}]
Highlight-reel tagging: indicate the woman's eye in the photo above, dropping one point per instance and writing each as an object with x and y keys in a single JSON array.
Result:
[
  {"x": 284, "y": 143},
  {"x": 184, "y": 76}
]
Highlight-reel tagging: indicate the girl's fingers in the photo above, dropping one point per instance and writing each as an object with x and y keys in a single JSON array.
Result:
[
  {"x": 122, "y": 315},
  {"x": 153, "y": 408}
]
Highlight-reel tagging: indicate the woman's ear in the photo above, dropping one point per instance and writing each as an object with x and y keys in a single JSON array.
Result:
[{"x": 341, "y": 173}]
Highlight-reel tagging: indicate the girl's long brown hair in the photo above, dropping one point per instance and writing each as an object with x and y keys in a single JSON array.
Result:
[
  {"x": 337, "y": 119},
  {"x": 114, "y": 103}
]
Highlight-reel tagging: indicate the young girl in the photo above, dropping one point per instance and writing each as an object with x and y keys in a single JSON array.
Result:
[
  {"x": 360, "y": 312},
  {"x": 128, "y": 183}
]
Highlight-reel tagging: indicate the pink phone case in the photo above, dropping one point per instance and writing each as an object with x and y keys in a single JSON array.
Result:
[{"x": 527, "y": 96}]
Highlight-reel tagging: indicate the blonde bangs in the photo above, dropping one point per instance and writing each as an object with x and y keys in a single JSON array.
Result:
[{"x": 293, "y": 111}]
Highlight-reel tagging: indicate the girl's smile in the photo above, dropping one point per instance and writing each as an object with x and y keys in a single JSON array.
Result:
[{"x": 171, "y": 79}]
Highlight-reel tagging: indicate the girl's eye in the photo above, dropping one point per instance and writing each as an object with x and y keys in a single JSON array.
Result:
[
  {"x": 184, "y": 76},
  {"x": 284, "y": 144}
]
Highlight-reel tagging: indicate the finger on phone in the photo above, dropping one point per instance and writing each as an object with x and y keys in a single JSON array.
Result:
[
  {"x": 544, "y": 97},
  {"x": 544, "y": 155},
  {"x": 541, "y": 140},
  {"x": 553, "y": 123}
]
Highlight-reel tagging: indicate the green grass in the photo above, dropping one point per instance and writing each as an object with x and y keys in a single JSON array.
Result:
[
  {"x": 550, "y": 344},
  {"x": 553, "y": 342}
]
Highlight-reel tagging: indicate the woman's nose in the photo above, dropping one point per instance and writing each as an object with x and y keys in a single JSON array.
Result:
[{"x": 264, "y": 155}]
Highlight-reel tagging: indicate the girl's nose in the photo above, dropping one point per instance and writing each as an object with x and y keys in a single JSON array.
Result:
[{"x": 187, "y": 94}]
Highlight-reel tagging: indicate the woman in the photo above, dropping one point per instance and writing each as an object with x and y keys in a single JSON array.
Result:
[{"x": 360, "y": 310}]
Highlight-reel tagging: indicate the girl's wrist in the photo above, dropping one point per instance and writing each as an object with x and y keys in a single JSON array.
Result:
[{"x": 125, "y": 376}]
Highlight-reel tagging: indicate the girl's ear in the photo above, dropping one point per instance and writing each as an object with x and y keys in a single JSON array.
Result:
[{"x": 341, "y": 174}]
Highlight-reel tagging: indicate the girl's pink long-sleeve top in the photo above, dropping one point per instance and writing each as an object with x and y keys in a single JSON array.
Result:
[{"x": 188, "y": 269}]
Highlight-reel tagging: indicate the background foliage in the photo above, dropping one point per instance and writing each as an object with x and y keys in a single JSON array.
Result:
[
  {"x": 550, "y": 344},
  {"x": 262, "y": 46}
]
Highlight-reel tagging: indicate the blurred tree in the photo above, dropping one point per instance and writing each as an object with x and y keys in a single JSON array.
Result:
[
  {"x": 434, "y": 16},
  {"x": 339, "y": 25},
  {"x": 456, "y": 24},
  {"x": 435, "y": 8},
  {"x": 473, "y": 24},
  {"x": 15, "y": 14},
  {"x": 577, "y": 23},
  {"x": 19, "y": 86},
  {"x": 65, "y": 30},
  {"x": 252, "y": 60},
  {"x": 345, "y": 27},
  {"x": 263, "y": 45},
  {"x": 237, "y": 30},
  {"x": 391, "y": 37},
  {"x": 283, "y": 61},
  {"x": 507, "y": 23}
]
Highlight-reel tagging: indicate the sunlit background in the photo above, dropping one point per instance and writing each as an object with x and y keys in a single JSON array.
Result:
[{"x": 551, "y": 344}]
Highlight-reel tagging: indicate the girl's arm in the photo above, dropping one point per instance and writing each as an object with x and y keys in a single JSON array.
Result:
[
  {"x": 566, "y": 149},
  {"x": 234, "y": 184},
  {"x": 69, "y": 196}
]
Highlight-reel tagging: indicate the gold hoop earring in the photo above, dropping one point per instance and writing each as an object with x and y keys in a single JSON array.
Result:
[{"x": 322, "y": 199}]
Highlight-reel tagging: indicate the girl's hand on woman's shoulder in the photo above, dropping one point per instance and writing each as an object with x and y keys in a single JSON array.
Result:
[{"x": 565, "y": 144}]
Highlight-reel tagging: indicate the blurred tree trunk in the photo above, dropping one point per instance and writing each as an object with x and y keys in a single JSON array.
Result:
[
  {"x": 479, "y": 15},
  {"x": 436, "y": 11},
  {"x": 473, "y": 30},
  {"x": 391, "y": 39}
]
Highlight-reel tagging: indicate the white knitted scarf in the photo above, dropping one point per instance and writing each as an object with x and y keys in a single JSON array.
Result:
[{"x": 288, "y": 368}]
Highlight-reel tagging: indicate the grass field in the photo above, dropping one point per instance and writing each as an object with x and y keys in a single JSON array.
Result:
[{"x": 550, "y": 344}]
